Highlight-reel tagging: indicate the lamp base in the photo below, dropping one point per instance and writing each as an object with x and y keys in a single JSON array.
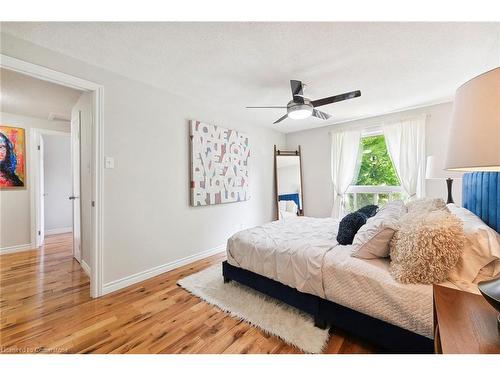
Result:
[
  {"x": 490, "y": 289},
  {"x": 449, "y": 184}
]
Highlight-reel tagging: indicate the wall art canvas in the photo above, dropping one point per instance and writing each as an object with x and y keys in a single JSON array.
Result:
[
  {"x": 12, "y": 157},
  {"x": 219, "y": 165}
]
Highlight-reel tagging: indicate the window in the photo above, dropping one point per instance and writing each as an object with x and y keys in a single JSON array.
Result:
[{"x": 376, "y": 181}]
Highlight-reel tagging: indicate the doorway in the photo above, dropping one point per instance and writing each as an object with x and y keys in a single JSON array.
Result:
[
  {"x": 60, "y": 178},
  {"x": 94, "y": 93},
  {"x": 59, "y": 187}
]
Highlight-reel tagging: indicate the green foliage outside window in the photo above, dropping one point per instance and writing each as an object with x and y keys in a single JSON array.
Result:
[
  {"x": 376, "y": 169},
  {"x": 376, "y": 166}
]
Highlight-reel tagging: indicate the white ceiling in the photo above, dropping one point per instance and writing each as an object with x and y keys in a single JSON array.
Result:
[
  {"x": 232, "y": 65},
  {"x": 28, "y": 96}
]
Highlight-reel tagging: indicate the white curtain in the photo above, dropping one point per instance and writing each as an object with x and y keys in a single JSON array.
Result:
[
  {"x": 345, "y": 148},
  {"x": 405, "y": 142}
]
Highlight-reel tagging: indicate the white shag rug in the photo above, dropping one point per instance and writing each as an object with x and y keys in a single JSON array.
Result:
[{"x": 274, "y": 317}]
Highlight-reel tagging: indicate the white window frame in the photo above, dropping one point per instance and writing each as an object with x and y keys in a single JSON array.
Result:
[{"x": 373, "y": 189}]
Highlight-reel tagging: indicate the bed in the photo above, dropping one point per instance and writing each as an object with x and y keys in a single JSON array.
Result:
[
  {"x": 300, "y": 262},
  {"x": 288, "y": 260}
]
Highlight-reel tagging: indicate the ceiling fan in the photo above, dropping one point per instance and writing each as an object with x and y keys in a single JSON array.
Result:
[{"x": 301, "y": 107}]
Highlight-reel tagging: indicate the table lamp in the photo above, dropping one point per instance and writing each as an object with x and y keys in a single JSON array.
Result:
[
  {"x": 474, "y": 143},
  {"x": 434, "y": 170}
]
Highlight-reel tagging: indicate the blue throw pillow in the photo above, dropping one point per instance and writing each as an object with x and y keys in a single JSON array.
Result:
[{"x": 349, "y": 226}]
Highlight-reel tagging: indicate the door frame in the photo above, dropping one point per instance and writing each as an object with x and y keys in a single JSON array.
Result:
[
  {"x": 35, "y": 180},
  {"x": 76, "y": 180},
  {"x": 97, "y": 92}
]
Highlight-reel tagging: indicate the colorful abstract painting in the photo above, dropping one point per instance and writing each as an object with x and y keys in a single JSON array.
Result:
[
  {"x": 12, "y": 157},
  {"x": 219, "y": 165}
]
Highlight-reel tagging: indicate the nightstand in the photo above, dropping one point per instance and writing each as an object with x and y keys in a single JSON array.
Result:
[{"x": 464, "y": 323}]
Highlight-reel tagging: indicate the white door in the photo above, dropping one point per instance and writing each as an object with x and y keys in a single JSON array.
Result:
[
  {"x": 75, "y": 196},
  {"x": 41, "y": 176}
]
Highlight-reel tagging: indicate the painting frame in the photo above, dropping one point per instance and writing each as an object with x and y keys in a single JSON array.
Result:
[
  {"x": 19, "y": 150},
  {"x": 219, "y": 165}
]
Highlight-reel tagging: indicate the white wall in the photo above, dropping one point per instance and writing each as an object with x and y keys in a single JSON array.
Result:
[
  {"x": 316, "y": 156},
  {"x": 57, "y": 179},
  {"x": 147, "y": 218},
  {"x": 15, "y": 205}
]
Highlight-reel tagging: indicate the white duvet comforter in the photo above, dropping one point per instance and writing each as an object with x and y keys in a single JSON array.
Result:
[
  {"x": 290, "y": 251},
  {"x": 365, "y": 285},
  {"x": 303, "y": 253}
]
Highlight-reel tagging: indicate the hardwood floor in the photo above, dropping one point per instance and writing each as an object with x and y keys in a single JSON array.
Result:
[{"x": 46, "y": 307}]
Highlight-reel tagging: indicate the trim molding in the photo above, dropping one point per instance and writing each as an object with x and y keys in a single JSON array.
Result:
[
  {"x": 49, "y": 232},
  {"x": 144, "y": 275},
  {"x": 17, "y": 248},
  {"x": 47, "y": 74},
  {"x": 85, "y": 267}
]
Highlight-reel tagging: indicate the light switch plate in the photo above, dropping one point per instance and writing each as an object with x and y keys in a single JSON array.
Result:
[{"x": 109, "y": 162}]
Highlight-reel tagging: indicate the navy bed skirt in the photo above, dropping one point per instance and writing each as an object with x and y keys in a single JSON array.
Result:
[{"x": 386, "y": 336}]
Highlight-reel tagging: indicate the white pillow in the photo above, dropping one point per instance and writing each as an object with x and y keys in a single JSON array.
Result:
[
  {"x": 287, "y": 209},
  {"x": 281, "y": 208},
  {"x": 481, "y": 250},
  {"x": 372, "y": 239},
  {"x": 397, "y": 205},
  {"x": 392, "y": 204},
  {"x": 425, "y": 205},
  {"x": 291, "y": 206}
]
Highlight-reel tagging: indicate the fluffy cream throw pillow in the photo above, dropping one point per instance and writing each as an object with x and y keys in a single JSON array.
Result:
[{"x": 426, "y": 247}]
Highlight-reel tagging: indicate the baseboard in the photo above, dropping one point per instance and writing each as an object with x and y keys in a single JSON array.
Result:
[
  {"x": 17, "y": 248},
  {"x": 85, "y": 267},
  {"x": 141, "y": 276},
  {"x": 49, "y": 232}
]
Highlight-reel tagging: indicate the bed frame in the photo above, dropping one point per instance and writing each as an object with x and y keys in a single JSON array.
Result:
[
  {"x": 480, "y": 194},
  {"x": 387, "y": 336}
]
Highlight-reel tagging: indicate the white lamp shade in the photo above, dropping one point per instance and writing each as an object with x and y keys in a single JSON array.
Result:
[
  {"x": 474, "y": 143},
  {"x": 434, "y": 169}
]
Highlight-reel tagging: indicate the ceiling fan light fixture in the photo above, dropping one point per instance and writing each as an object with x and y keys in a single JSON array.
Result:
[
  {"x": 299, "y": 112},
  {"x": 300, "y": 107}
]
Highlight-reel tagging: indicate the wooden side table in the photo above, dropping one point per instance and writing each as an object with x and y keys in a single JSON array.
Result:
[{"x": 464, "y": 323}]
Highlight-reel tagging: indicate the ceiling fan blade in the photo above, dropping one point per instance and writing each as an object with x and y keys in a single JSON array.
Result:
[
  {"x": 280, "y": 119},
  {"x": 267, "y": 107},
  {"x": 321, "y": 115},
  {"x": 297, "y": 94},
  {"x": 336, "y": 98}
]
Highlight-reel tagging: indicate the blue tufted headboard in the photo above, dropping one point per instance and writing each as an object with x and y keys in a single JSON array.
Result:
[
  {"x": 481, "y": 195},
  {"x": 290, "y": 197}
]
